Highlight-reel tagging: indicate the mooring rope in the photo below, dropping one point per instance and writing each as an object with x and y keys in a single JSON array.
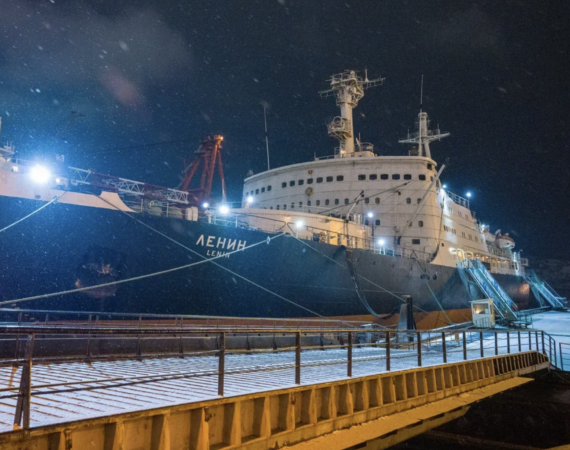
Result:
[{"x": 55, "y": 199}]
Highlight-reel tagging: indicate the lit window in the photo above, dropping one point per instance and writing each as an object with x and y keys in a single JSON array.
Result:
[
  {"x": 421, "y": 223},
  {"x": 373, "y": 176},
  {"x": 340, "y": 178},
  {"x": 415, "y": 242},
  {"x": 319, "y": 179},
  {"x": 395, "y": 176},
  {"x": 292, "y": 183},
  {"x": 408, "y": 201},
  {"x": 384, "y": 176},
  {"x": 361, "y": 177},
  {"x": 301, "y": 182},
  {"x": 309, "y": 181},
  {"x": 422, "y": 177},
  {"x": 407, "y": 176}
]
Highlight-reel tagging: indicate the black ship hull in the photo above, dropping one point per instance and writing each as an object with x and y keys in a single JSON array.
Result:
[{"x": 67, "y": 246}]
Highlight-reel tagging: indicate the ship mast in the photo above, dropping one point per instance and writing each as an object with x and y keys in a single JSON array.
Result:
[
  {"x": 424, "y": 135},
  {"x": 348, "y": 89}
]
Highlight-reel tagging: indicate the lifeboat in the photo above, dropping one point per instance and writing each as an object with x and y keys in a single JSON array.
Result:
[{"x": 504, "y": 241}]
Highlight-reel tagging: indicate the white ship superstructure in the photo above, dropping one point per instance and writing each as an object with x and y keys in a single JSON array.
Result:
[{"x": 394, "y": 204}]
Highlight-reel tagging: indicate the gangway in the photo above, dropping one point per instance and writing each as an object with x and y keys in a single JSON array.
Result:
[
  {"x": 488, "y": 286},
  {"x": 543, "y": 291}
]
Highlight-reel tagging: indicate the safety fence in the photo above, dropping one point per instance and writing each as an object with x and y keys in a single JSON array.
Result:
[{"x": 337, "y": 353}]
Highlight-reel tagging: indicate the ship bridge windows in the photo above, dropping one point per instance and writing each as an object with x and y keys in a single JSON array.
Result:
[
  {"x": 292, "y": 183},
  {"x": 309, "y": 181},
  {"x": 284, "y": 184},
  {"x": 422, "y": 177},
  {"x": 384, "y": 176},
  {"x": 319, "y": 179},
  {"x": 340, "y": 178},
  {"x": 395, "y": 176},
  {"x": 301, "y": 182},
  {"x": 361, "y": 177},
  {"x": 407, "y": 176},
  {"x": 329, "y": 179},
  {"x": 373, "y": 176}
]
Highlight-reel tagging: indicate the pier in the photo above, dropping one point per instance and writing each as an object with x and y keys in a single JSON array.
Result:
[{"x": 203, "y": 385}]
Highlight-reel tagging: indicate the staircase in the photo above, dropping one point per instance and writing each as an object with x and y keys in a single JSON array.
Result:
[
  {"x": 543, "y": 291},
  {"x": 473, "y": 270}
]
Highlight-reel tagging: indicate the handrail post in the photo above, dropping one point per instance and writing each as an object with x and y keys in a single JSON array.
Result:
[
  {"x": 561, "y": 357},
  {"x": 221, "y": 364},
  {"x": 555, "y": 357},
  {"x": 419, "y": 349},
  {"x": 444, "y": 348},
  {"x": 536, "y": 338},
  {"x": 550, "y": 349},
  {"x": 481, "y": 344},
  {"x": 519, "y": 336},
  {"x": 543, "y": 349},
  {"x": 529, "y": 341},
  {"x": 25, "y": 391},
  {"x": 349, "y": 365},
  {"x": 496, "y": 343},
  {"x": 297, "y": 357},
  {"x": 388, "y": 351},
  {"x": 508, "y": 342},
  {"x": 464, "y": 346}
]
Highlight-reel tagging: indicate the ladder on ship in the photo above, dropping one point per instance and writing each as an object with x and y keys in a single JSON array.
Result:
[
  {"x": 543, "y": 291},
  {"x": 473, "y": 270}
]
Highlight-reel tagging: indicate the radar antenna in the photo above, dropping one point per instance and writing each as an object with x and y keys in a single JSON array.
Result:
[{"x": 348, "y": 89}]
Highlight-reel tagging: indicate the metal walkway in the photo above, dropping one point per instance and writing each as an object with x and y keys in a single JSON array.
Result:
[
  {"x": 247, "y": 399},
  {"x": 543, "y": 291}
]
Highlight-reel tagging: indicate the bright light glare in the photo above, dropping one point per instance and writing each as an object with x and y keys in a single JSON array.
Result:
[
  {"x": 250, "y": 199},
  {"x": 469, "y": 195},
  {"x": 299, "y": 224},
  {"x": 370, "y": 214},
  {"x": 444, "y": 186},
  {"x": 205, "y": 205},
  {"x": 224, "y": 209},
  {"x": 381, "y": 241},
  {"x": 58, "y": 180},
  {"x": 39, "y": 174},
  {"x": 15, "y": 169}
]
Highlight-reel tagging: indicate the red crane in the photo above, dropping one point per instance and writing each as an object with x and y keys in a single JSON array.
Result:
[{"x": 207, "y": 156}]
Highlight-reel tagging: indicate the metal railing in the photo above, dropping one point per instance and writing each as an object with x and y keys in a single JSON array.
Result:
[
  {"x": 564, "y": 351},
  {"x": 343, "y": 351}
]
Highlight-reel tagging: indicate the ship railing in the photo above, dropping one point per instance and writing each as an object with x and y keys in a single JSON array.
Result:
[
  {"x": 288, "y": 352},
  {"x": 458, "y": 200},
  {"x": 502, "y": 252},
  {"x": 155, "y": 208}
]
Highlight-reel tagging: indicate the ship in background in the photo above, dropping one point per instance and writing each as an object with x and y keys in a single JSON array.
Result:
[{"x": 351, "y": 234}]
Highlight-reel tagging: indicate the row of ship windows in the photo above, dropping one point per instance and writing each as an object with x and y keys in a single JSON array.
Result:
[
  {"x": 454, "y": 231},
  {"x": 337, "y": 202},
  {"x": 330, "y": 179}
]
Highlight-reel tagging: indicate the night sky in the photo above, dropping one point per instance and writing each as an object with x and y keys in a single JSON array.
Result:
[{"x": 130, "y": 88}]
